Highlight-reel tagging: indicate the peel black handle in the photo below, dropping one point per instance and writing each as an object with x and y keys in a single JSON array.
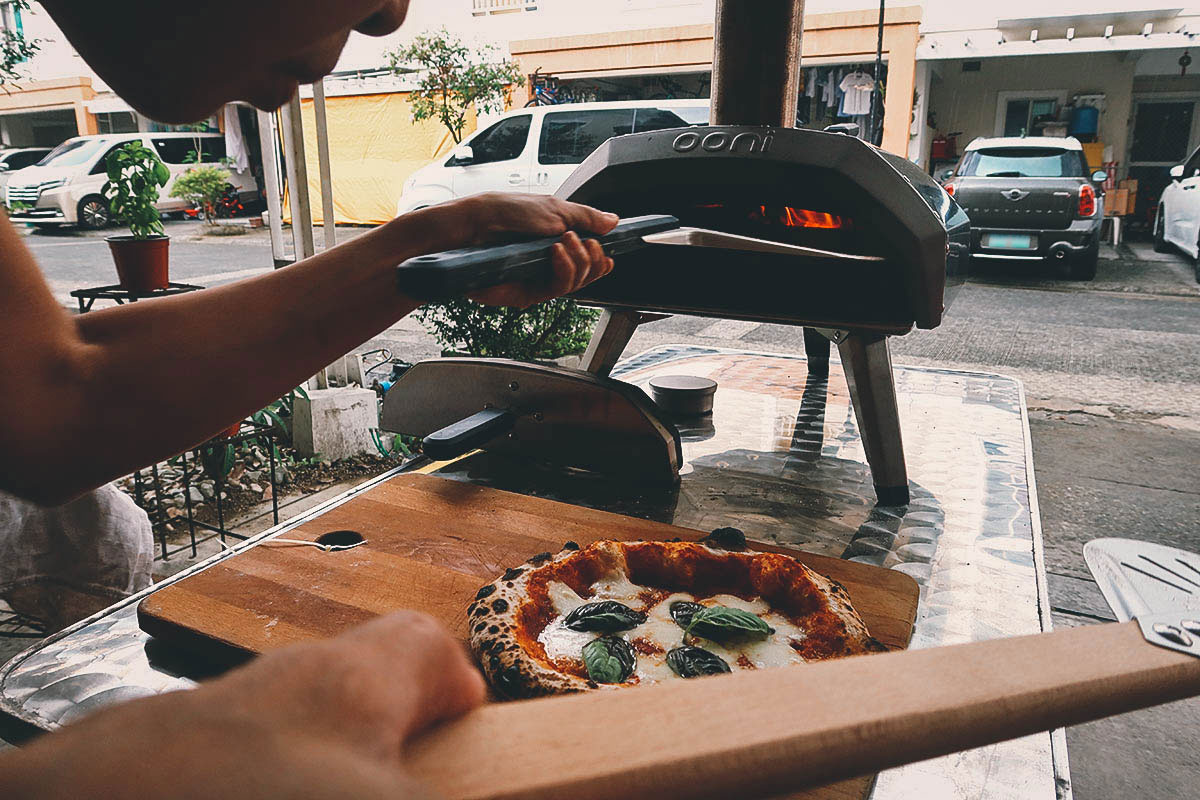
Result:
[
  {"x": 453, "y": 273},
  {"x": 467, "y": 434}
]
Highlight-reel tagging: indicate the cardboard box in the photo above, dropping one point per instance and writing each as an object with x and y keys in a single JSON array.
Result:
[
  {"x": 1116, "y": 202},
  {"x": 1094, "y": 153},
  {"x": 1130, "y": 185}
]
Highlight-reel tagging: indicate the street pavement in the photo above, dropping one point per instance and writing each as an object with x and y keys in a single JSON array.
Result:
[{"x": 1112, "y": 376}]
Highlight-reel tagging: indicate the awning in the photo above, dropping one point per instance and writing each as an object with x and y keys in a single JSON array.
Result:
[{"x": 107, "y": 105}]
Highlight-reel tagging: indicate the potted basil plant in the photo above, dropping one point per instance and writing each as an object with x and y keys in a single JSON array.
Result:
[{"x": 135, "y": 174}]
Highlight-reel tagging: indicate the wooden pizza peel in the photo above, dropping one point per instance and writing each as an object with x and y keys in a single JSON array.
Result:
[{"x": 753, "y": 734}]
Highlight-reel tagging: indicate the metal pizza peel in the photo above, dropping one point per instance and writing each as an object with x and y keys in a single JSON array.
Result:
[
  {"x": 453, "y": 273},
  {"x": 763, "y": 733}
]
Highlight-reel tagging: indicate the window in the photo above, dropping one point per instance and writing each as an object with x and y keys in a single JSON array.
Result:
[
  {"x": 73, "y": 152},
  {"x": 1023, "y": 162},
  {"x": 568, "y": 137},
  {"x": 102, "y": 165},
  {"x": 657, "y": 119},
  {"x": 180, "y": 150},
  {"x": 503, "y": 141},
  {"x": 212, "y": 149},
  {"x": 24, "y": 159},
  {"x": 116, "y": 122},
  {"x": 10, "y": 19},
  {"x": 1023, "y": 117},
  {"x": 1192, "y": 168}
]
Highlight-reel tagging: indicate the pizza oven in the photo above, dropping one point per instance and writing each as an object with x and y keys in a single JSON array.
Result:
[
  {"x": 748, "y": 218},
  {"x": 826, "y": 191}
]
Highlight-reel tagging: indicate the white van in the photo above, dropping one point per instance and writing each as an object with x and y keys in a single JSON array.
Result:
[
  {"x": 65, "y": 187},
  {"x": 535, "y": 149}
]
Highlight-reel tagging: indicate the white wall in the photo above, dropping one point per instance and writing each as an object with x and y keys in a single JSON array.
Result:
[
  {"x": 554, "y": 18},
  {"x": 961, "y": 15}
]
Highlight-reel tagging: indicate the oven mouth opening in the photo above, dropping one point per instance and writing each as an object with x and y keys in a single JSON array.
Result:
[{"x": 785, "y": 216}]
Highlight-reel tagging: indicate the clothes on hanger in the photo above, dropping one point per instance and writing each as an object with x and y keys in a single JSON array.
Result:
[{"x": 858, "y": 88}]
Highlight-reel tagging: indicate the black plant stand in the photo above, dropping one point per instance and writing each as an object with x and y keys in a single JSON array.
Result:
[{"x": 121, "y": 295}]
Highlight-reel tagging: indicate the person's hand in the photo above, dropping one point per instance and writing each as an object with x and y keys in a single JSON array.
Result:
[
  {"x": 327, "y": 719},
  {"x": 494, "y": 216}
]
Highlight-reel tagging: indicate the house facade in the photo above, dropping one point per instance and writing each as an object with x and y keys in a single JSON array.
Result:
[{"x": 1116, "y": 74}]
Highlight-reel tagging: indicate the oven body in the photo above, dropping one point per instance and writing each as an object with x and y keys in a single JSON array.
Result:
[{"x": 812, "y": 188}]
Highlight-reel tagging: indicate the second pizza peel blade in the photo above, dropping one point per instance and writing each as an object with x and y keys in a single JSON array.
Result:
[{"x": 758, "y": 734}]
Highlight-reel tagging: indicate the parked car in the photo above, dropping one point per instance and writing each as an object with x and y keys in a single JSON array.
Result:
[
  {"x": 65, "y": 187},
  {"x": 1031, "y": 198},
  {"x": 18, "y": 158},
  {"x": 1177, "y": 222},
  {"x": 535, "y": 149}
]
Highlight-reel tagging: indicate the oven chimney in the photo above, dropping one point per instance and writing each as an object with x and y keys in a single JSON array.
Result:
[{"x": 756, "y": 62}]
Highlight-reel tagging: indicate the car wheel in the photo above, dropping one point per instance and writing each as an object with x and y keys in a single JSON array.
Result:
[
  {"x": 1160, "y": 223},
  {"x": 93, "y": 213},
  {"x": 1083, "y": 267}
]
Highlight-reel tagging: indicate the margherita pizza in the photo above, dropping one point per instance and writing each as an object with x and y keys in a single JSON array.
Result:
[{"x": 616, "y": 614}]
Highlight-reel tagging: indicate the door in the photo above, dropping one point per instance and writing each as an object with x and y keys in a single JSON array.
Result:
[
  {"x": 500, "y": 159},
  {"x": 568, "y": 137},
  {"x": 1162, "y": 137}
]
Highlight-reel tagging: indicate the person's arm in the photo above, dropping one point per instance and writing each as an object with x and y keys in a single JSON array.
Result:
[
  {"x": 89, "y": 398},
  {"x": 320, "y": 720}
]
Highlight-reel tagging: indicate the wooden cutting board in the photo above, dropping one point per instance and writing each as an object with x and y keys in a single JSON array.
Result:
[{"x": 431, "y": 543}]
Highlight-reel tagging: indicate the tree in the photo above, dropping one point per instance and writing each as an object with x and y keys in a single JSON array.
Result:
[
  {"x": 14, "y": 47},
  {"x": 454, "y": 79}
]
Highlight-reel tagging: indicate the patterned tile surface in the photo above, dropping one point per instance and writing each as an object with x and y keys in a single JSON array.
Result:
[{"x": 781, "y": 459}]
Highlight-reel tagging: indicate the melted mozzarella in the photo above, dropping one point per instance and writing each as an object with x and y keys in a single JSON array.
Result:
[{"x": 660, "y": 633}]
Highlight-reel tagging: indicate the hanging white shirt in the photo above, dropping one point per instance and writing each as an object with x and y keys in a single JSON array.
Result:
[{"x": 858, "y": 88}]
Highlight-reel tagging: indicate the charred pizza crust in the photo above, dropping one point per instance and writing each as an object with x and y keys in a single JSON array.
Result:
[{"x": 508, "y": 615}]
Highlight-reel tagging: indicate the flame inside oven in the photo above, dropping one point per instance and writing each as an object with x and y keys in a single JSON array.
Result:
[{"x": 788, "y": 216}]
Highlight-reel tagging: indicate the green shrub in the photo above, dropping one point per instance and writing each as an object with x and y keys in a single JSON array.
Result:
[
  {"x": 204, "y": 187},
  {"x": 549, "y": 330}
]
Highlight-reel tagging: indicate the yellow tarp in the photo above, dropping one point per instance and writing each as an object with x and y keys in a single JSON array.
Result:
[{"x": 373, "y": 147}]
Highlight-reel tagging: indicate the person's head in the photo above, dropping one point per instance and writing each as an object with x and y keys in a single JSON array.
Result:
[{"x": 178, "y": 62}]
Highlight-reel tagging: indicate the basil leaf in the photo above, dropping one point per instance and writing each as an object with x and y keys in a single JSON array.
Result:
[
  {"x": 721, "y": 623},
  {"x": 606, "y": 616},
  {"x": 692, "y": 662},
  {"x": 609, "y": 659},
  {"x": 682, "y": 611}
]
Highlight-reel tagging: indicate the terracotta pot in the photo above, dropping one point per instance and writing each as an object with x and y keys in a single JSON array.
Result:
[{"x": 141, "y": 264}]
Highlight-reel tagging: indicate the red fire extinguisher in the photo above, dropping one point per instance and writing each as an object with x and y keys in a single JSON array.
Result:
[{"x": 945, "y": 146}]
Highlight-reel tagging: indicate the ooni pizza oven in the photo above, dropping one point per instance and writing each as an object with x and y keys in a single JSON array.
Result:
[{"x": 770, "y": 223}]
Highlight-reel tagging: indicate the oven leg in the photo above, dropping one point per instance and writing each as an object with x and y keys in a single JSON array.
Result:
[
  {"x": 868, "y": 368},
  {"x": 613, "y": 331},
  {"x": 816, "y": 351}
]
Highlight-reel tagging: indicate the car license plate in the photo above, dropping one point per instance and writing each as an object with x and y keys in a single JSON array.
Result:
[{"x": 1009, "y": 241}]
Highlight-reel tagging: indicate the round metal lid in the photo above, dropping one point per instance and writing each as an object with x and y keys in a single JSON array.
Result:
[{"x": 683, "y": 384}]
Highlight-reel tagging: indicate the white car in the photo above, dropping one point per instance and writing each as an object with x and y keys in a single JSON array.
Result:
[
  {"x": 65, "y": 187},
  {"x": 1178, "y": 219},
  {"x": 17, "y": 159},
  {"x": 535, "y": 149}
]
